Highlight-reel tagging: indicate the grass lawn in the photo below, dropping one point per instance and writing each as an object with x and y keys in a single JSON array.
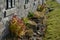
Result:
[{"x": 53, "y": 22}]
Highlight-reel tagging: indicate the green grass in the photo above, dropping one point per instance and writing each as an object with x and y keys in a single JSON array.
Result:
[
  {"x": 52, "y": 3},
  {"x": 53, "y": 22}
]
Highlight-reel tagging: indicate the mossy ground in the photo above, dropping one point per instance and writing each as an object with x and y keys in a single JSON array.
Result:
[{"x": 53, "y": 22}]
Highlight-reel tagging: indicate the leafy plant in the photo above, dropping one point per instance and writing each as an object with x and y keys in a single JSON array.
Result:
[
  {"x": 30, "y": 15},
  {"x": 28, "y": 22},
  {"x": 17, "y": 26},
  {"x": 40, "y": 8}
]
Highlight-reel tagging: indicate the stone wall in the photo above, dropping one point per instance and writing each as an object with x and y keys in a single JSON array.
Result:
[
  {"x": 29, "y": 7},
  {"x": 1, "y": 7},
  {"x": 19, "y": 7}
]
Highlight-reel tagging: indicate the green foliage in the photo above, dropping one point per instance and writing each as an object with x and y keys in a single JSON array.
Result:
[
  {"x": 30, "y": 15},
  {"x": 25, "y": 20},
  {"x": 40, "y": 8}
]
